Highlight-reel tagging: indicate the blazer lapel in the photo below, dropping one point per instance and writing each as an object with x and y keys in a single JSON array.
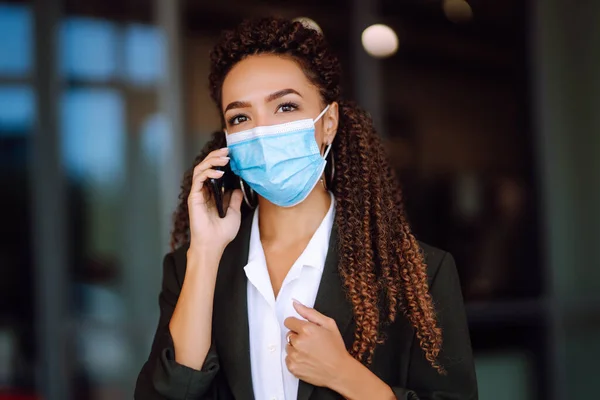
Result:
[
  {"x": 230, "y": 318},
  {"x": 331, "y": 300}
]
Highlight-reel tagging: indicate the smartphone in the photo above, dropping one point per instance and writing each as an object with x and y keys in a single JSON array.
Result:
[{"x": 222, "y": 187}]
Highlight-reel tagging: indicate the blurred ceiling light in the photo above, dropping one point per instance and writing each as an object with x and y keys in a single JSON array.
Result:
[
  {"x": 380, "y": 41},
  {"x": 309, "y": 23},
  {"x": 457, "y": 11}
]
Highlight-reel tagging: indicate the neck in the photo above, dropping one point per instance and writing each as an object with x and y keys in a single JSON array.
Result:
[{"x": 290, "y": 224}]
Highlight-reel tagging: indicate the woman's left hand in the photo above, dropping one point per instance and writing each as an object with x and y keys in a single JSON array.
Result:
[{"x": 315, "y": 352}]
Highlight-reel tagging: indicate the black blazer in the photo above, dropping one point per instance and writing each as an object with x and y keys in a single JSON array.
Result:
[{"x": 226, "y": 372}]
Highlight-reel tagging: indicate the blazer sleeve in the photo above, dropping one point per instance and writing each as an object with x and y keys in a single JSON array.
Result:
[
  {"x": 456, "y": 356},
  {"x": 161, "y": 377}
]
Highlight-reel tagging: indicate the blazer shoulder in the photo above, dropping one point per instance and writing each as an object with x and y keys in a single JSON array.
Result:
[{"x": 434, "y": 258}]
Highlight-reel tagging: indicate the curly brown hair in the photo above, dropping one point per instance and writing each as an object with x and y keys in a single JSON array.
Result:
[{"x": 381, "y": 264}]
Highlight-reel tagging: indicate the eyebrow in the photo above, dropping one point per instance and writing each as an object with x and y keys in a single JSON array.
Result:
[
  {"x": 269, "y": 98},
  {"x": 237, "y": 104},
  {"x": 281, "y": 93}
]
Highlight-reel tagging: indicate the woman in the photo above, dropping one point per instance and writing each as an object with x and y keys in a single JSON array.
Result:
[{"x": 319, "y": 290}]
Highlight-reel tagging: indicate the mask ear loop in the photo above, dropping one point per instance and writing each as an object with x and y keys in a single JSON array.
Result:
[
  {"x": 322, "y": 113},
  {"x": 328, "y": 147},
  {"x": 327, "y": 151}
]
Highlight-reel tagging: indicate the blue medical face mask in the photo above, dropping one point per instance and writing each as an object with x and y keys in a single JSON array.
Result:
[{"x": 282, "y": 162}]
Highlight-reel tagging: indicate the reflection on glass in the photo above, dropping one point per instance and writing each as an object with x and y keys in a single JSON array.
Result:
[
  {"x": 102, "y": 346},
  {"x": 15, "y": 40},
  {"x": 88, "y": 49},
  {"x": 8, "y": 346},
  {"x": 155, "y": 139},
  {"x": 17, "y": 105},
  {"x": 93, "y": 136},
  {"x": 93, "y": 133},
  {"x": 144, "y": 55}
]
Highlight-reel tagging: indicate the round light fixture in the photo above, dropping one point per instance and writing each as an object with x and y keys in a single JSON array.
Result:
[
  {"x": 380, "y": 41},
  {"x": 457, "y": 11}
]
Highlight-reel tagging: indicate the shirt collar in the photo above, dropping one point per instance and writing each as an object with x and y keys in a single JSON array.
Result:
[{"x": 315, "y": 252}]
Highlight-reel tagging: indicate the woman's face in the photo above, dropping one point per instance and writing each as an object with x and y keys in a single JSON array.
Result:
[{"x": 267, "y": 90}]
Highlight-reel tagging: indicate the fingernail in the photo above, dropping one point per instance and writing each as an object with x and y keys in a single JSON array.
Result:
[
  {"x": 297, "y": 302},
  {"x": 225, "y": 158},
  {"x": 220, "y": 172},
  {"x": 224, "y": 149}
]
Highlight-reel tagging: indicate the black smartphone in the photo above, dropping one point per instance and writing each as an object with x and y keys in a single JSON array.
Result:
[{"x": 222, "y": 187}]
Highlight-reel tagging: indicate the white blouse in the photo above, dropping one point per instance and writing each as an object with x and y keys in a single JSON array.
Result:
[{"x": 270, "y": 377}]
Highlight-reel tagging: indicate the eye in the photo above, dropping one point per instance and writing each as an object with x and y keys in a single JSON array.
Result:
[
  {"x": 237, "y": 119},
  {"x": 287, "y": 107}
]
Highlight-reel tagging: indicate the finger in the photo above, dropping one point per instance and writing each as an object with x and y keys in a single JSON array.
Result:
[
  {"x": 289, "y": 349},
  {"x": 223, "y": 151},
  {"x": 292, "y": 352},
  {"x": 209, "y": 164},
  {"x": 199, "y": 180},
  {"x": 291, "y": 338},
  {"x": 207, "y": 173},
  {"x": 211, "y": 161},
  {"x": 289, "y": 361},
  {"x": 312, "y": 315},
  {"x": 293, "y": 357},
  {"x": 214, "y": 158},
  {"x": 295, "y": 324}
]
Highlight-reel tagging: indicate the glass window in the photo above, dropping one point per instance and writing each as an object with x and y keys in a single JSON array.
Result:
[
  {"x": 144, "y": 55},
  {"x": 16, "y": 43},
  {"x": 17, "y": 105},
  {"x": 88, "y": 49},
  {"x": 93, "y": 131},
  {"x": 506, "y": 375}
]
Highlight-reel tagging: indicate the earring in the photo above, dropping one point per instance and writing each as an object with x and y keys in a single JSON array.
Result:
[
  {"x": 251, "y": 203},
  {"x": 323, "y": 183},
  {"x": 331, "y": 164},
  {"x": 332, "y": 173}
]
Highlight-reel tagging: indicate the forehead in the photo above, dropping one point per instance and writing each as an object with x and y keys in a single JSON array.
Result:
[{"x": 260, "y": 75}]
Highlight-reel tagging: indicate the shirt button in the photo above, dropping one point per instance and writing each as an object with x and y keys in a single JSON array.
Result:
[{"x": 272, "y": 348}]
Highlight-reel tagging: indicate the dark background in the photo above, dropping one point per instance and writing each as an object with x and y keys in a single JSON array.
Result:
[{"x": 492, "y": 123}]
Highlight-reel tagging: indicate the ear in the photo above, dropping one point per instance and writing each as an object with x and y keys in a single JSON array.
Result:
[{"x": 330, "y": 122}]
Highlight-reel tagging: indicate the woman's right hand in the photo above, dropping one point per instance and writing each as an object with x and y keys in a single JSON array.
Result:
[{"x": 208, "y": 231}]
